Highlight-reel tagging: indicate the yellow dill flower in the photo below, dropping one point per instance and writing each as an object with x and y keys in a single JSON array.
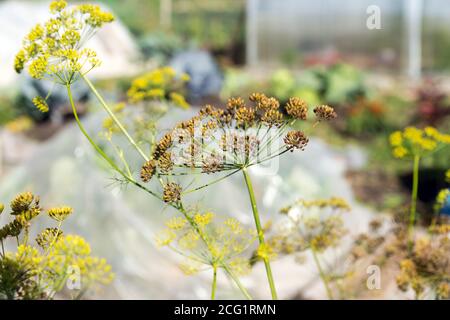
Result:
[
  {"x": 240, "y": 266},
  {"x": 441, "y": 199},
  {"x": 176, "y": 223},
  {"x": 234, "y": 226},
  {"x": 19, "y": 61},
  {"x": 219, "y": 245},
  {"x": 165, "y": 237},
  {"x": 161, "y": 84},
  {"x": 185, "y": 77},
  {"x": 155, "y": 93},
  {"x": 203, "y": 219},
  {"x": 60, "y": 214},
  {"x": 179, "y": 100},
  {"x": 57, "y": 6},
  {"x": 30, "y": 257},
  {"x": 2, "y": 207},
  {"x": 266, "y": 252},
  {"x": 72, "y": 245},
  {"x": 54, "y": 50},
  {"x": 447, "y": 176},
  {"x": 396, "y": 139},
  {"x": 190, "y": 240},
  {"x": 417, "y": 142},
  {"x": 190, "y": 268},
  {"x": 41, "y": 104},
  {"x": 399, "y": 152},
  {"x": 312, "y": 224}
]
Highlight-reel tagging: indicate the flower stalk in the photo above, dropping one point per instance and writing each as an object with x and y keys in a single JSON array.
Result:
[
  {"x": 415, "y": 187},
  {"x": 322, "y": 274},
  {"x": 260, "y": 232}
]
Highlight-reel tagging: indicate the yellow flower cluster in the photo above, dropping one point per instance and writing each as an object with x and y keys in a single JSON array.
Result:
[
  {"x": 49, "y": 264},
  {"x": 417, "y": 142},
  {"x": 266, "y": 252},
  {"x": 24, "y": 208},
  {"x": 60, "y": 214},
  {"x": 159, "y": 85},
  {"x": 41, "y": 104},
  {"x": 67, "y": 253},
  {"x": 53, "y": 50},
  {"x": 315, "y": 225},
  {"x": 206, "y": 244},
  {"x": 441, "y": 199},
  {"x": 447, "y": 176}
]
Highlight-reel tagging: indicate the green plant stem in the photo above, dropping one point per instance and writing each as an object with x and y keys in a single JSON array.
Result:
[
  {"x": 322, "y": 275},
  {"x": 214, "y": 283},
  {"x": 129, "y": 178},
  {"x": 415, "y": 187},
  {"x": 260, "y": 232},
  {"x": 112, "y": 115},
  {"x": 237, "y": 282}
]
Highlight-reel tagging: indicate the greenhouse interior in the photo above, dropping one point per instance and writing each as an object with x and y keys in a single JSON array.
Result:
[{"x": 225, "y": 150}]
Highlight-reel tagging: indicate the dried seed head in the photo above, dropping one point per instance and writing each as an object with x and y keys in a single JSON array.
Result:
[
  {"x": 325, "y": 112},
  {"x": 272, "y": 117},
  {"x": 234, "y": 103},
  {"x": 162, "y": 146},
  {"x": 22, "y": 203},
  {"x": 296, "y": 140},
  {"x": 48, "y": 236},
  {"x": 165, "y": 163},
  {"x": 211, "y": 164},
  {"x": 245, "y": 116},
  {"x": 257, "y": 97},
  {"x": 297, "y": 108},
  {"x": 172, "y": 192},
  {"x": 148, "y": 170}
]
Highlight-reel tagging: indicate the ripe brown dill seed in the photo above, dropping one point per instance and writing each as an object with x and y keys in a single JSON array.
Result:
[
  {"x": 172, "y": 192},
  {"x": 325, "y": 112},
  {"x": 296, "y": 140},
  {"x": 148, "y": 169}
]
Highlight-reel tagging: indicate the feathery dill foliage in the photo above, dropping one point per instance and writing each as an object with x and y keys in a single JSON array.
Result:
[
  {"x": 54, "y": 50},
  {"x": 239, "y": 136},
  {"x": 41, "y": 269},
  {"x": 209, "y": 244}
]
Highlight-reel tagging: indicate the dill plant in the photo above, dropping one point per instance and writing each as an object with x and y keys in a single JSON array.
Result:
[
  {"x": 41, "y": 267},
  {"x": 231, "y": 140},
  {"x": 414, "y": 144},
  {"x": 227, "y": 141},
  {"x": 54, "y": 51},
  {"x": 312, "y": 225}
]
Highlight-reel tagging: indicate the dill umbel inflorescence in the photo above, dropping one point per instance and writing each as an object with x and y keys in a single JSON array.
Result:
[
  {"x": 238, "y": 136},
  {"x": 210, "y": 244},
  {"x": 53, "y": 50}
]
